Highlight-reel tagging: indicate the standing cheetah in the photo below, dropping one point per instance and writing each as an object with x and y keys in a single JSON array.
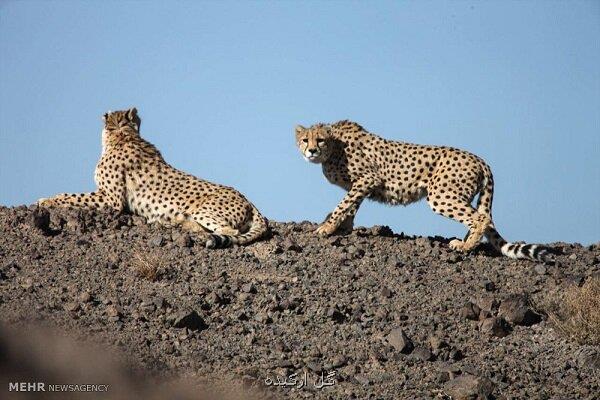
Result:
[
  {"x": 132, "y": 175},
  {"x": 395, "y": 173}
]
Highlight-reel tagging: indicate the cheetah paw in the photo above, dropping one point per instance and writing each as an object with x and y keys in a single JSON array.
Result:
[
  {"x": 45, "y": 202},
  {"x": 210, "y": 243},
  {"x": 457, "y": 244},
  {"x": 325, "y": 230}
]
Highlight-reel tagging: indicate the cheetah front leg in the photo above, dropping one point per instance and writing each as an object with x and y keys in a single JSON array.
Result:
[
  {"x": 94, "y": 200},
  {"x": 347, "y": 225},
  {"x": 349, "y": 205},
  {"x": 110, "y": 194}
]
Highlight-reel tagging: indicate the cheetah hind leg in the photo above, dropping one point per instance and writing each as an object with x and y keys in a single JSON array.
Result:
[
  {"x": 478, "y": 225},
  {"x": 217, "y": 231},
  {"x": 197, "y": 229},
  {"x": 464, "y": 213}
]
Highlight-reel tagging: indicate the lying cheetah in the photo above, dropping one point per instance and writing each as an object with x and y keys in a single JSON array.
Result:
[
  {"x": 391, "y": 172},
  {"x": 132, "y": 175}
]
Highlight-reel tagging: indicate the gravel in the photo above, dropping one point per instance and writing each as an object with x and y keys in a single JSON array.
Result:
[{"x": 391, "y": 316}]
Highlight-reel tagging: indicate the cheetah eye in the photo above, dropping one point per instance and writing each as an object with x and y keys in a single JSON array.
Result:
[
  {"x": 319, "y": 141},
  {"x": 305, "y": 140}
]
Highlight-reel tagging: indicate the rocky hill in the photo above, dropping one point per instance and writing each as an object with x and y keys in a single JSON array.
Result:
[{"x": 373, "y": 313}]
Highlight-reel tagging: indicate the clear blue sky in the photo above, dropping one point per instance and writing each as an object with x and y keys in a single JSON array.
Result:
[{"x": 220, "y": 86}]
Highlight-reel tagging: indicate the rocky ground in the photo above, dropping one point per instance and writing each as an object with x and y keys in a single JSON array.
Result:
[{"x": 369, "y": 315}]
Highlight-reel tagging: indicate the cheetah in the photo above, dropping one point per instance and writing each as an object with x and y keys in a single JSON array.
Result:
[
  {"x": 133, "y": 176},
  {"x": 399, "y": 173}
]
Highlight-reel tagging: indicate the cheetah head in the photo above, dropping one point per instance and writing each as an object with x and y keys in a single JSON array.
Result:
[
  {"x": 314, "y": 142},
  {"x": 120, "y": 123}
]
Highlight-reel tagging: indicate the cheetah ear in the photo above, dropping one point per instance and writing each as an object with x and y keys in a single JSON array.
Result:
[
  {"x": 299, "y": 131},
  {"x": 105, "y": 116},
  {"x": 132, "y": 114}
]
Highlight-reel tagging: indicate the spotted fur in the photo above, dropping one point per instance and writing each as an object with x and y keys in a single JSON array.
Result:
[
  {"x": 392, "y": 172},
  {"x": 132, "y": 175}
]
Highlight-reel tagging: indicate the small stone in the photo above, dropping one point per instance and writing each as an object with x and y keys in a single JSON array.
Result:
[
  {"x": 456, "y": 354},
  {"x": 112, "y": 311},
  {"x": 41, "y": 220},
  {"x": 576, "y": 280},
  {"x": 470, "y": 311},
  {"x": 573, "y": 257},
  {"x": 285, "y": 364},
  {"x": 436, "y": 343},
  {"x": 469, "y": 387},
  {"x": 354, "y": 252},
  {"x": 515, "y": 310},
  {"x": 495, "y": 326},
  {"x": 386, "y": 292},
  {"x": 384, "y": 231},
  {"x": 451, "y": 369},
  {"x": 398, "y": 339},
  {"x": 213, "y": 298},
  {"x": 157, "y": 241},
  {"x": 248, "y": 288},
  {"x": 458, "y": 279},
  {"x": 71, "y": 307},
  {"x": 190, "y": 320},
  {"x": 159, "y": 302},
  {"x": 540, "y": 269},
  {"x": 362, "y": 379},
  {"x": 454, "y": 258},
  {"x": 489, "y": 286},
  {"x": 263, "y": 317},
  {"x": 398, "y": 262},
  {"x": 421, "y": 354},
  {"x": 314, "y": 366},
  {"x": 483, "y": 314},
  {"x": 336, "y": 315},
  {"x": 290, "y": 245},
  {"x": 27, "y": 284},
  {"x": 184, "y": 240},
  {"x": 252, "y": 371},
  {"x": 85, "y": 297},
  {"x": 487, "y": 302},
  {"x": 169, "y": 349},
  {"x": 339, "y": 361}
]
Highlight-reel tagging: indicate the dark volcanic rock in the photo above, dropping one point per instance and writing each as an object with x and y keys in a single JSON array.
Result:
[
  {"x": 190, "y": 320},
  {"x": 495, "y": 326},
  {"x": 470, "y": 311},
  {"x": 40, "y": 219},
  {"x": 469, "y": 387},
  {"x": 183, "y": 240},
  {"x": 421, "y": 354},
  {"x": 400, "y": 341},
  {"x": 515, "y": 309},
  {"x": 157, "y": 241}
]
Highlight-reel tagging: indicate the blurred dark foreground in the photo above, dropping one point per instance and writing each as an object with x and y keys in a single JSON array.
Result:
[{"x": 39, "y": 363}]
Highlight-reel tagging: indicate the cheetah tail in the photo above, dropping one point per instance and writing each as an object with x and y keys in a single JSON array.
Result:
[
  {"x": 258, "y": 227},
  {"x": 534, "y": 252}
]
